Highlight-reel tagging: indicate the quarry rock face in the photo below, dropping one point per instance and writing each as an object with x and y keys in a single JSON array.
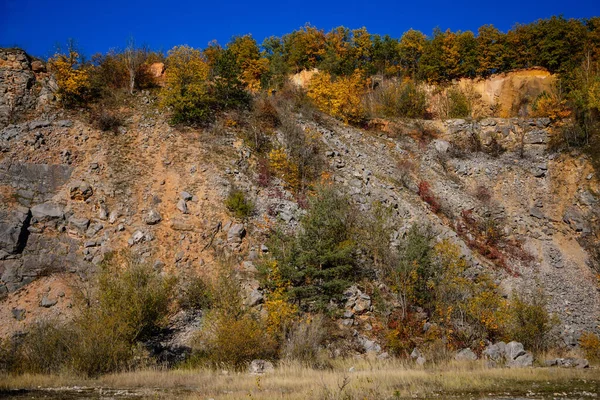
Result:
[
  {"x": 16, "y": 80},
  {"x": 70, "y": 194},
  {"x": 18, "y": 94}
]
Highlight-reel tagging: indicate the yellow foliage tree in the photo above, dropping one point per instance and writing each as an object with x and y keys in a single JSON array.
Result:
[
  {"x": 71, "y": 77},
  {"x": 253, "y": 71},
  {"x": 594, "y": 94},
  {"x": 185, "y": 91},
  {"x": 284, "y": 168},
  {"x": 247, "y": 55},
  {"x": 341, "y": 98},
  {"x": 462, "y": 302},
  {"x": 551, "y": 105},
  {"x": 280, "y": 313}
]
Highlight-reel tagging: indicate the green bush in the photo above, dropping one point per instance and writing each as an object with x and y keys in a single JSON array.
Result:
[
  {"x": 320, "y": 262},
  {"x": 400, "y": 100},
  {"x": 195, "y": 294},
  {"x": 129, "y": 303},
  {"x": 231, "y": 334},
  {"x": 530, "y": 322},
  {"x": 237, "y": 203},
  {"x": 458, "y": 104}
]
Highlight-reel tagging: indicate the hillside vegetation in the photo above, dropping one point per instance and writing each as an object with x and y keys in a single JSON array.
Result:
[{"x": 319, "y": 197}]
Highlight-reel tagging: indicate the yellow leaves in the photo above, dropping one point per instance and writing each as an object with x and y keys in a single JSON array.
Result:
[
  {"x": 72, "y": 79},
  {"x": 459, "y": 298},
  {"x": 280, "y": 313},
  {"x": 590, "y": 344},
  {"x": 552, "y": 106},
  {"x": 186, "y": 73},
  {"x": 341, "y": 98},
  {"x": 594, "y": 94},
  {"x": 252, "y": 72},
  {"x": 284, "y": 168},
  {"x": 187, "y": 69}
]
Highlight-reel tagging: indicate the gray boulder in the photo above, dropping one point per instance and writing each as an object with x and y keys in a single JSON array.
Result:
[
  {"x": 81, "y": 224},
  {"x": 465, "y": 355},
  {"x": 13, "y": 230},
  {"x": 514, "y": 350},
  {"x": 47, "y": 302},
  {"x": 415, "y": 354},
  {"x": 47, "y": 212},
  {"x": 139, "y": 236},
  {"x": 258, "y": 367},
  {"x": 236, "y": 233},
  {"x": 81, "y": 191},
  {"x": 524, "y": 360},
  {"x": 568, "y": 363},
  {"x": 254, "y": 298},
  {"x": 18, "y": 314},
  {"x": 182, "y": 206},
  {"x": 153, "y": 218},
  {"x": 495, "y": 352},
  {"x": 441, "y": 146}
]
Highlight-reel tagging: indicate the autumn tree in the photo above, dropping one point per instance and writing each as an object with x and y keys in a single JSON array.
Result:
[
  {"x": 340, "y": 97},
  {"x": 304, "y": 48},
  {"x": 72, "y": 76},
  {"x": 410, "y": 48},
  {"x": 186, "y": 91},
  {"x": 490, "y": 50},
  {"x": 252, "y": 66}
]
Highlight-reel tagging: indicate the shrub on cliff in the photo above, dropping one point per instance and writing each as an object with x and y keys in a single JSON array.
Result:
[
  {"x": 232, "y": 335},
  {"x": 320, "y": 262},
  {"x": 72, "y": 77},
  {"x": 186, "y": 91},
  {"x": 530, "y": 322},
  {"x": 397, "y": 100},
  {"x": 128, "y": 305}
]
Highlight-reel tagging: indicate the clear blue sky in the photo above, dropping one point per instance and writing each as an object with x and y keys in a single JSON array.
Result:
[{"x": 97, "y": 26}]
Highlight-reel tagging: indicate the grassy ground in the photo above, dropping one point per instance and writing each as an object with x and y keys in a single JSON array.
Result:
[{"x": 347, "y": 380}]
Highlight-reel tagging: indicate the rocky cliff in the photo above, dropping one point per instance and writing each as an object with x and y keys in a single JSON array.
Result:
[{"x": 70, "y": 193}]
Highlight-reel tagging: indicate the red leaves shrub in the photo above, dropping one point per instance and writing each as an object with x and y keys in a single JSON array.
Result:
[
  {"x": 428, "y": 197},
  {"x": 264, "y": 172}
]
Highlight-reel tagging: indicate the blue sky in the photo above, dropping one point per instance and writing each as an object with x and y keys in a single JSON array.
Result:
[{"x": 97, "y": 26}]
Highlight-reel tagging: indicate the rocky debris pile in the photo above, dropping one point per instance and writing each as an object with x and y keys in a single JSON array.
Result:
[
  {"x": 24, "y": 85},
  {"x": 515, "y": 134},
  {"x": 567, "y": 363},
  {"x": 510, "y": 354},
  {"x": 16, "y": 80},
  {"x": 357, "y": 304}
]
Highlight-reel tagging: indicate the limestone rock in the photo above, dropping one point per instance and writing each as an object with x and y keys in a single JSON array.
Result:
[
  {"x": 182, "y": 206},
  {"x": 236, "y": 233},
  {"x": 258, "y": 367},
  {"x": 465, "y": 355},
  {"x": 81, "y": 191},
  {"x": 47, "y": 302},
  {"x": 47, "y": 211},
  {"x": 153, "y": 218}
]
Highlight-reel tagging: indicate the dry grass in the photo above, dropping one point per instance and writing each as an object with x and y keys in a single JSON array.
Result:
[{"x": 368, "y": 379}]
